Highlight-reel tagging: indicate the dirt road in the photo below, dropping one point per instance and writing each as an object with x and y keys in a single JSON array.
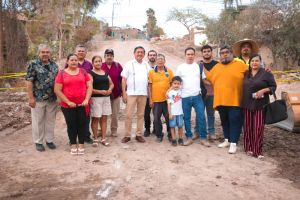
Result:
[{"x": 141, "y": 171}]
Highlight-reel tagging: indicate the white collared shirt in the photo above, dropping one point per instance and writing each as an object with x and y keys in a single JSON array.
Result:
[
  {"x": 190, "y": 75},
  {"x": 136, "y": 75}
]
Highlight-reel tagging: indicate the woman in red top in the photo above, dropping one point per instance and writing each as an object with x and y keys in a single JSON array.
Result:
[{"x": 73, "y": 86}]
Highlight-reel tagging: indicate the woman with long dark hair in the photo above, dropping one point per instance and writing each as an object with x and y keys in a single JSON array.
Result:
[
  {"x": 73, "y": 86},
  {"x": 257, "y": 86}
]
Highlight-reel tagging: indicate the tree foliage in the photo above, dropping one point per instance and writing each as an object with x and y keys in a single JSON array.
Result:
[
  {"x": 271, "y": 23},
  {"x": 59, "y": 23},
  {"x": 151, "y": 26},
  {"x": 188, "y": 17}
]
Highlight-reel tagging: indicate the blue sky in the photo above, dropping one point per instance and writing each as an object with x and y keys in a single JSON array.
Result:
[{"x": 133, "y": 12}]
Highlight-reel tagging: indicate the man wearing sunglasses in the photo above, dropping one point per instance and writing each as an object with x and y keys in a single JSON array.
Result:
[{"x": 227, "y": 79}]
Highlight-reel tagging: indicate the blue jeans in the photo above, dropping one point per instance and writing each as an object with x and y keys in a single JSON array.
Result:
[
  {"x": 210, "y": 112},
  {"x": 197, "y": 103},
  {"x": 231, "y": 121}
]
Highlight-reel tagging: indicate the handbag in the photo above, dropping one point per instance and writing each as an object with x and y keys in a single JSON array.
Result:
[{"x": 275, "y": 111}]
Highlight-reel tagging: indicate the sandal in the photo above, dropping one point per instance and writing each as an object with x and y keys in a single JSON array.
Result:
[
  {"x": 74, "y": 151},
  {"x": 95, "y": 143},
  {"x": 249, "y": 153},
  {"x": 103, "y": 141},
  {"x": 80, "y": 151},
  {"x": 260, "y": 157}
]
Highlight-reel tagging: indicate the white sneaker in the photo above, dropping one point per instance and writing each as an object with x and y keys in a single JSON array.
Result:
[
  {"x": 224, "y": 144},
  {"x": 232, "y": 148}
]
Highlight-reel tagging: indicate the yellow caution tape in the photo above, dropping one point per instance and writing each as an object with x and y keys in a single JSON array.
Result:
[
  {"x": 286, "y": 81},
  {"x": 15, "y": 73},
  {"x": 286, "y": 72},
  {"x": 16, "y": 88},
  {"x": 12, "y": 76}
]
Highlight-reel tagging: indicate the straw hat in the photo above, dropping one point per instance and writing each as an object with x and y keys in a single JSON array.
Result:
[{"x": 237, "y": 46}]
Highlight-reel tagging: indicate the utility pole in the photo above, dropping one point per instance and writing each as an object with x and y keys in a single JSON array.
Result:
[{"x": 112, "y": 16}]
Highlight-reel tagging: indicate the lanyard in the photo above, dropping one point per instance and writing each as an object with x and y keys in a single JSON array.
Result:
[{"x": 133, "y": 69}]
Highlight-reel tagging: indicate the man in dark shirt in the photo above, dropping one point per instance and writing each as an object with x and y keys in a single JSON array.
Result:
[
  {"x": 208, "y": 62},
  {"x": 152, "y": 55},
  {"x": 40, "y": 78},
  {"x": 114, "y": 70},
  {"x": 81, "y": 51}
]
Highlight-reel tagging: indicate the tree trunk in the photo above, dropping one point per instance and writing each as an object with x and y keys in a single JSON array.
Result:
[
  {"x": 1, "y": 41},
  {"x": 61, "y": 36}
]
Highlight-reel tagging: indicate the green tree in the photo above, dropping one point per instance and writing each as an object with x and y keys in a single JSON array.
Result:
[
  {"x": 188, "y": 17},
  {"x": 151, "y": 26},
  {"x": 275, "y": 24}
]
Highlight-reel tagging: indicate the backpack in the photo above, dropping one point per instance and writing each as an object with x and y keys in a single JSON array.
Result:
[{"x": 202, "y": 87}]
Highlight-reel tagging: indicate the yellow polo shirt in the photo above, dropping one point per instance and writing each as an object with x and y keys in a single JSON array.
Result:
[
  {"x": 228, "y": 83},
  {"x": 240, "y": 60},
  {"x": 161, "y": 82}
]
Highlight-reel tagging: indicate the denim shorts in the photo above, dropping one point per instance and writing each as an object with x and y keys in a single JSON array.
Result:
[{"x": 177, "y": 121}]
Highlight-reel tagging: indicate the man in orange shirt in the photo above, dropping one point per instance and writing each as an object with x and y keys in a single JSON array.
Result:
[
  {"x": 159, "y": 83},
  {"x": 227, "y": 78}
]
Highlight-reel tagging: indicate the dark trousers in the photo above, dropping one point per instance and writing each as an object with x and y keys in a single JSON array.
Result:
[
  {"x": 87, "y": 133},
  {"x": 160, "y": 108},
  {"x": 147, "y": 118},
  {"x": 231, "y": 121},
  {"x": 76, "y": 123}
]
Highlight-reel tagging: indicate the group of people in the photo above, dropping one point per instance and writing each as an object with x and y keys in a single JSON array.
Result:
[{"x": 237, "y": 88}]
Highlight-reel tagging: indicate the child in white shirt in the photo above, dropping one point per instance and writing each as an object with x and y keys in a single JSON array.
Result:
[{"x": 175, "y": 110}]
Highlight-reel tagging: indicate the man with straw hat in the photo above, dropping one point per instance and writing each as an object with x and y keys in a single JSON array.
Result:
[{"x": 243, "y": 50}]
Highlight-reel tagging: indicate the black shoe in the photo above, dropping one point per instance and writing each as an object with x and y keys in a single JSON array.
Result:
[
  {"x": 39, "y": 147},
  {"x": 88, "y": 140},
  {"x": 174, "y": 142},
  {"x": 147, "y": 133},
  {"x": 159, "y": 139},
  {"x": 180, "y": 141},
  {"x": 51, "y": 145}
]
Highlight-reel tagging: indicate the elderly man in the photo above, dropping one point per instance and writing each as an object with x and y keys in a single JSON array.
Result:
[
  {"x": 81, "y": 52},
  {"x": 191, "y": 97},
  {"x": 135, "y": 80},
  {"x": 227, "y": 79},
  {"x": 243, "y": 50},
  {"x": 152, "y": 56},
  {"x": 114, "y": 70},
  {"x": 40, "y": 78},
  {"x": 159, "y": 82}
]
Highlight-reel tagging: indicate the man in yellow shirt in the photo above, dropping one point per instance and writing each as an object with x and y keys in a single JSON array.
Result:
[
  {"x": 227, "y": 79},
  {"x": 159, "y": 83}
]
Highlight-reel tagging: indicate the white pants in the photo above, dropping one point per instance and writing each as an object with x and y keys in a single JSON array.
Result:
[{"x": 43, "y": 121}]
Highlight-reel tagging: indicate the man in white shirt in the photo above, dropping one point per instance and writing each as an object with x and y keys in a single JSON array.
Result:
[
  {"x": 134, "y": 91},
  {"x": 191, "y": 97}
]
